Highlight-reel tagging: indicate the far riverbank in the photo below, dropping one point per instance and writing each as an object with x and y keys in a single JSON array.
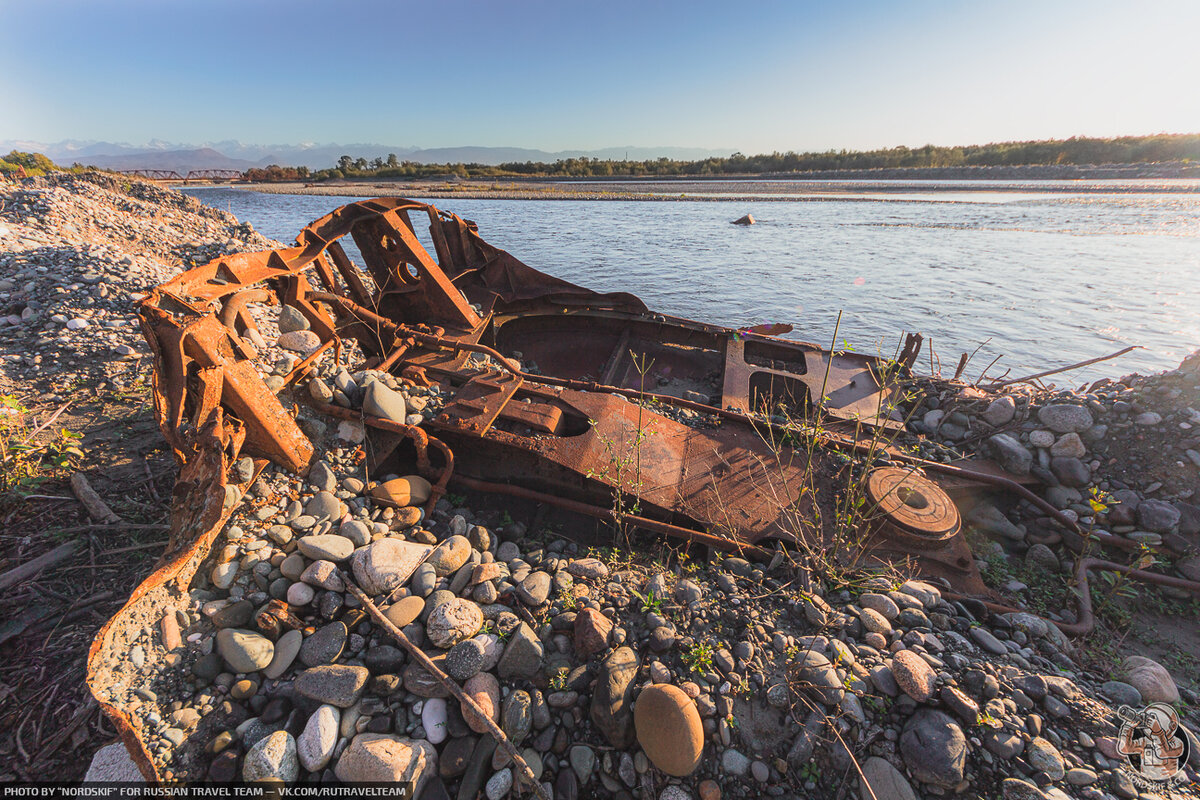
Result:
[{"x": 700, "y": 189}]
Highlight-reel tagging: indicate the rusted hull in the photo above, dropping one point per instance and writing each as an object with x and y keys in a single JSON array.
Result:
[{"x": 553, "y": 392}]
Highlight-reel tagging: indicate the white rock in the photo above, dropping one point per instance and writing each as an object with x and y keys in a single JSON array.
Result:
[
  {"x": 499, "y": 785},
  {"x": 433, "y": 720},
  {"x": 351, "y": 432},
  {"x": 272, "y": 759},
  {"x": 320, "y": 736},
  {"x": 300, "y": 594},
  {"x": 1041, "y": 438}
]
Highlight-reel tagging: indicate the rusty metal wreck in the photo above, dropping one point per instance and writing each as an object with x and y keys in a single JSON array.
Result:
[{"x": 550, "y": 388}]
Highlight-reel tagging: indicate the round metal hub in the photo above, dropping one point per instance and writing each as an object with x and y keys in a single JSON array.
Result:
[{"x": 912, "y": 506}]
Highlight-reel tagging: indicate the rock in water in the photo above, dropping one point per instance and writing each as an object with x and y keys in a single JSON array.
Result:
[
  {"x": 934, "y": 748},
  {"x": 384, "y": 758},
  {"x": 272, "y": 758},
  {"x": 746, "y": 220},
  {"x": 669, "y": 729},
  {"x": 610, "y": 703}
]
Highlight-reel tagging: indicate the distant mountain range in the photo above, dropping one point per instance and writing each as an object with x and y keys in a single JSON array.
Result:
[{"x": 236, "y": 155}]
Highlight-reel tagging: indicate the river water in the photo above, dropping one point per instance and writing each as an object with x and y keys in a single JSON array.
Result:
[{"x": 1040, "y": 280}]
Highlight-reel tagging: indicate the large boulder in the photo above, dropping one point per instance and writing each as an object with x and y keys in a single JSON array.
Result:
[
  {"x": 244, "y": 651},
  {"x": 611, "y": 712},
  {"x": 934, "y": 748},
  {"x": 669, "y": 729},
  {"x": 272, "y": 758},
  {"x": 384, "y": 758},
  {"x": 1065, "y": 418},
  {"x": 1151, "y": 679},
  {"x": 452, "y": 622},
  {"x": 387, "y": 564},
  {"x": 411, "y": 490}
]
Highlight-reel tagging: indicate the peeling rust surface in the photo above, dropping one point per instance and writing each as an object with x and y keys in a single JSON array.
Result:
[{"x": 554, "y": 393}]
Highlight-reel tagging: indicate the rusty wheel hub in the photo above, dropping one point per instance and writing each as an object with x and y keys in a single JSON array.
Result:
[{"x": 912, "y": 509}]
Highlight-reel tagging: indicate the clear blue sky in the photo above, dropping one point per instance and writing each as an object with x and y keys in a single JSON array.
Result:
[{"x": 559, "y": 74}]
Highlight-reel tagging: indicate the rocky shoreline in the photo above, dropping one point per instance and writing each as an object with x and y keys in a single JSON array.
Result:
[{"x": 651, "y": 672}]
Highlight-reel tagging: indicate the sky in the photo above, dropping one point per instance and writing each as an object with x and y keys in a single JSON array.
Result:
[{"x": 555, "y": 75}]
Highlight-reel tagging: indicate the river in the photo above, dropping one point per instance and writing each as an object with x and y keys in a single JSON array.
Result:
[{"x": 1039, "y": 280}]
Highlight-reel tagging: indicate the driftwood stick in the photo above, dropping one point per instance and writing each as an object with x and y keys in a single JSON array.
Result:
[
  {"x": 962, "y": 364},
  {"x": 989, "y": 366},
  {"x": 32, "y": 567},
  {"x": 97, "y": 509},
  {"x": 450, "y": 686},
  {"x": 49, "y": 421},
  {"x": 1057, "y": 370}
]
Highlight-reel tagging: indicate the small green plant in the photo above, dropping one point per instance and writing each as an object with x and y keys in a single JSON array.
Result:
[
  {"x": 623, "y": 467},
  {"x": 809, "y": 773},
  {"x": 455, "y": 500},
  {"x": 25, "y": 461},
  {"x": 698, "y": 658},
  {"x": 505, "y": 518},
  {"x": 653, "y": 602},
  {"x": 558, "y": 681}
]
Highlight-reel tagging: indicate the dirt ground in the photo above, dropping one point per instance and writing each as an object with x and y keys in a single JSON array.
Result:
[{"x": 50, "y": 723}]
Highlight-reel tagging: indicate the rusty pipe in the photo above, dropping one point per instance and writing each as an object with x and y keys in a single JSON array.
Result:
[
  {"x": 599, "y": 512},
  {"x": 1085, "y": 618}
]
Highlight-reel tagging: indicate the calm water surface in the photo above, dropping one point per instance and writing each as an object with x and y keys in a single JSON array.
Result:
[{"x": 1040, "y": 280}]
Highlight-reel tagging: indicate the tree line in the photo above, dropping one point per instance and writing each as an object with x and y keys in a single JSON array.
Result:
[{"x": 1074, "y": 151}]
